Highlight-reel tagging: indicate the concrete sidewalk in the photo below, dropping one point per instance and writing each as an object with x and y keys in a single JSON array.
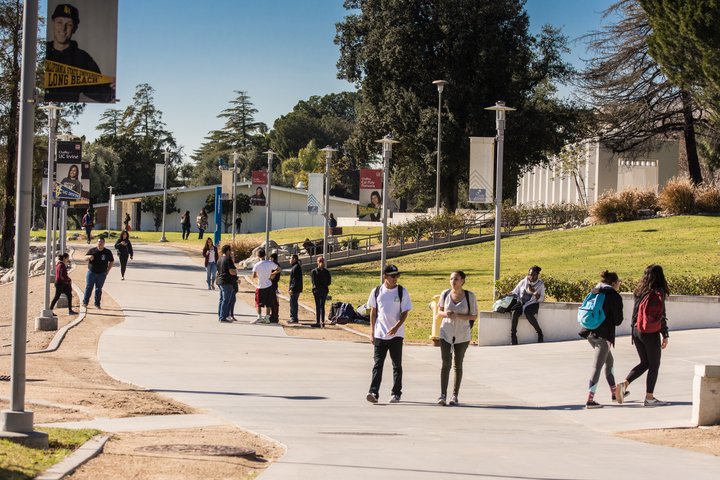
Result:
[{"x": 521, "y": 415}]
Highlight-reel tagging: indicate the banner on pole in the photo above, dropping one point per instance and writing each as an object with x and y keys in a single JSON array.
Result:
[
  {"x": 227, "y": 178},
  {"x": 81, "y": 57},
  {"x": 315, "y": 193},
  {"x": 159, "y": 176},
  {"x": 112, "y": 202},
  {"x": 370, "y": 195},
  {"x": 68, "y": 168},
  {"x": 259, "y": 183},
  {"x": 482, "y": 151}
]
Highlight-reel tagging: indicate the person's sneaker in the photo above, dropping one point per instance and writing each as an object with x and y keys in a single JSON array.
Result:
[
  {"x": 441, "y": 400},
  {"x": 98, "y": 306},
  {"x": 453, "y": 401},
  {"x": 654, "y": 402},
  {"x": 619, "y": 393},
  {"x": 84, "y": 305},
  {"x": 292, "y": 321},
  {"x": 395, "y": 399},
  {"x": 314, "y": 325},
  {"x": 592, "y": 404},
  {"x": 72, "y": 312},
  {"x": 256, "y": 321},
  {"x": 372, "y": 397}
]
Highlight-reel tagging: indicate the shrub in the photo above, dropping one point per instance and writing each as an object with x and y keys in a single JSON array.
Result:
[
  {"x": 678, "y": 196},
  {"x": 707, "y": 199},
  {"x": 242, "y": 247},
  {"x": 612, "y": 207}
]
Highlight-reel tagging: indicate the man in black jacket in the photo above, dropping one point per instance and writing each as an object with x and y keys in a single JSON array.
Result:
[
  {"x": 295, "y": 287},
  {"x": 321, "y": 280}
]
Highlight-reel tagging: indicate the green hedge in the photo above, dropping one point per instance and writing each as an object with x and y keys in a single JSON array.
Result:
[{"x": 574, "y": 291}]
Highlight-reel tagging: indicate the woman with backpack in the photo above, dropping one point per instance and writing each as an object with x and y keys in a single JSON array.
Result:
[
  {"x": 602, "y": 337},
  {"x": 458, "y": 309},
  {"x": 649, "y": 332}
]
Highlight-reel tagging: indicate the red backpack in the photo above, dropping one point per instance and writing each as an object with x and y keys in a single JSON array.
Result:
[{"x": 651, "y": 312}]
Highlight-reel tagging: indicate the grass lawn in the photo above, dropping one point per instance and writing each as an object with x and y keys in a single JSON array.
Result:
[
  {"x": 23, "y": 463},
  {"x": 684, "y": 245}
]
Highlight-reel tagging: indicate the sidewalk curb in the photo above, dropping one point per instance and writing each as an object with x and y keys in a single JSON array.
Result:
[
  {"x": 87, "y": 451},
  {"x": 60, "y": 334}
]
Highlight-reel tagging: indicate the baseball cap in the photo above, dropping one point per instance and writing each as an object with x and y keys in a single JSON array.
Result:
[
  {"x": 391, "y": 270},
  {"x": 68, "y": 11}
]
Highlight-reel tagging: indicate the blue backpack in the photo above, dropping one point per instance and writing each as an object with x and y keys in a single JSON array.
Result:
[{"x": 591, "y": 314}]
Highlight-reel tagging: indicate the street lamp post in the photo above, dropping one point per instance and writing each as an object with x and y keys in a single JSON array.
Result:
[
  {"x": 387, "y": 143},
  {"x": 17, "y": 421},
  {"x": 440, "y": 86},
  {"x": 47, "y": 314},
  {"x": 110, "y": 209},
  {"x": 166, "y": 154},
  {"x": 500, "y": 110},
  {"x": 328, "y": 157},
  {"x": 234, "y": 180},
  {"x": 268, "y": 213}
]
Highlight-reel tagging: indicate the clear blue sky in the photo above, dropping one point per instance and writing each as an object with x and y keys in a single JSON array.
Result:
[{"x": 280, "y": 51}]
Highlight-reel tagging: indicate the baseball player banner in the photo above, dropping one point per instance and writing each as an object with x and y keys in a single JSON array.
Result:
[
  {"x": 81, "y": 51},
  {"x": 482, "y": 151}
]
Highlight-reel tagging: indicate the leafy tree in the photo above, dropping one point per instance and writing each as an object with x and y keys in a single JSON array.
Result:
[
  {"x": 393, "y": 50},
  {"x": 104, "y": 164},
  {"x": 242, "y": 205},
  {"x": 154, "y": 205},
  {"x": 635, "y": 104}
]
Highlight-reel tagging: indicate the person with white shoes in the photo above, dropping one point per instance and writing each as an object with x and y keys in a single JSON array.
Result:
[
  {"x": 265, "y": 294},
  {"x": 389, "y": 307}
]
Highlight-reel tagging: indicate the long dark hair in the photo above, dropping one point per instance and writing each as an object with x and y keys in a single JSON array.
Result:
[{"x": 653, "y": 279}]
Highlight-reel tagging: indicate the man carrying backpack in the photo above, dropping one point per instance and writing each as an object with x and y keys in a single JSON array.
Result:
[{"x": 389, "y": 304}]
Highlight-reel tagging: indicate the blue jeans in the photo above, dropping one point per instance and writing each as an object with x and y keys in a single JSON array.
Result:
[
  {"x": 211, "y": 270},
  {"x": 226, "y": 294},
  {"x": 96, "y": 281},
  {"x": 294, "y": 296}
]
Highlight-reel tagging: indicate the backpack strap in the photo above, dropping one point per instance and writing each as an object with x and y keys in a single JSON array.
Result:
[{"x": 400, "y": 293}]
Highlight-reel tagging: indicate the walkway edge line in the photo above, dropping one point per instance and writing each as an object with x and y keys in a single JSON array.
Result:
[{"x": 87, "y": 451}]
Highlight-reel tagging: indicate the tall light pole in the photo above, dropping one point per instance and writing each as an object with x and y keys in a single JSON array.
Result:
[
  {"x": 268, "y": 213},
  {"x": 440, "y": 86},
  {"x": 17, "y": 420},
  {"x": 328, "y": 156},
  {"x": 234, "y": 180},
  {"x": 387, "y": 143},
  {"x": 166, "y": 154},
  {"x": 111, "y": 208},
  {"x": 500, "y": 110}
]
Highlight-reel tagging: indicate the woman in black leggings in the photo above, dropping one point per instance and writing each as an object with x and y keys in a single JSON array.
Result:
[{"x": 650, "y": 337}]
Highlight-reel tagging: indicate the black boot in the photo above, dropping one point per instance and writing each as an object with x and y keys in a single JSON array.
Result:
[
  {"x": 541, "y": 339},
  {"x": 513, "y": 339}
]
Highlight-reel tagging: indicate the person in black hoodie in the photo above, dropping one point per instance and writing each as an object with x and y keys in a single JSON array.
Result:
[
  {"x": 321, "y": 280},
  {"x": 125, "y": 250},
  {"x": 603, "y": 337},
  {"x": 295, "y": 287}
]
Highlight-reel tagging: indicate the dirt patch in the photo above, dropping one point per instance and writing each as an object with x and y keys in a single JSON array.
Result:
[
  {"x": 70, "y": 385},
  {"x": 155, "y": 455},
  {"x": 703, "y": 439}
]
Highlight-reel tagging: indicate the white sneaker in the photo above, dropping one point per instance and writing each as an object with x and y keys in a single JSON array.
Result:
[
  {"x": 441, "y": 400},
  {"x": 266, "y": 319},
  {"x": 453, "y": 400},
  {"x": 257, "y": 320},
  {"x": 395, "y": 399},
  {"x": 620, "y": 393},
  {"x": 654, "y": 402}
]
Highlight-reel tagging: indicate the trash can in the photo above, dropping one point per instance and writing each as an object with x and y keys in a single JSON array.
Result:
[{"x": 436, "y": 319}]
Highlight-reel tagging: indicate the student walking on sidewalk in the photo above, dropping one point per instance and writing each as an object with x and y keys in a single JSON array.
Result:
[
  {"x": 226, "y": 272},
  {"x": 602, "y": 338},
  {"x": 458, "y": 309},
  {"x": 63, "y": 284},
  {"x": 125, "y": 250},
  {"x": 649, "y": 332},
  {"x": 389, "y": 307},
  {"x": 100, "y": 262},
  {"x": 210, "y": 253}
]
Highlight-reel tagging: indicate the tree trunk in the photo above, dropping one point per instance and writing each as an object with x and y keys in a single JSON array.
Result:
[{"x": 690, "y": 144}]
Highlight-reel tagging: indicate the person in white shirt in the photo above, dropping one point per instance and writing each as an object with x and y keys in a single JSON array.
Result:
[
  {"x": 265, "y": 295},
  {"x": 458, "y": 309},
  {"x": 530, "y": 292},
  {"x": 389, "y": 306}
]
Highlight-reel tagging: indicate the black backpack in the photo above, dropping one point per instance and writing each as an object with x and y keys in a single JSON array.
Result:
[{"x": 467, "y": 298}]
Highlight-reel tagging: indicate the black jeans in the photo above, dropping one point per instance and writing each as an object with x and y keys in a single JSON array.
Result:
[
  {"x": 446, "y": 351},
  {"x": 185, "y": 232},
  {"x": 394, "y": 346},
  {"x": 530, "y": 313},
  {"x": 123, "y": 263},
  {"x": 649, "y": 349},
  {"x": 61, "y": 288},
  {"x": 88, "y": 233},
  {"x": 200, "y": 233},
  {"x": 320, "y": 299}
]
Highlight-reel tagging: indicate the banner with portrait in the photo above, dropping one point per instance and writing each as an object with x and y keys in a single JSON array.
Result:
[
  {"x": 370, "y": 205},
  {"x": 81, "y": 51},
  {"x": 257, "y": 191},
  {"x": 315, "y": 198},
  {"x": 159, "y": 176},
  {"x": 482, "y": 154},
  {"x": 72, "y": 174}
]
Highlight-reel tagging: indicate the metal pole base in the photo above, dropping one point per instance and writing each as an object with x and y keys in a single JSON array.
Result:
[
  {"x": 163, "y": 239},
  {"x": 18, "y": 427},
  {"x": 47, "y": 322}
]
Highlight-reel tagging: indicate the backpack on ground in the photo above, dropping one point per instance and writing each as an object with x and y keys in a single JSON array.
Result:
[
  {"x": 651, "y": 312},
  {"x": 345, "y": 314},
  {"x": 467, "y": 300},
  {"x": 505, "y": 304},
  {"x": 591, "y": 314}
]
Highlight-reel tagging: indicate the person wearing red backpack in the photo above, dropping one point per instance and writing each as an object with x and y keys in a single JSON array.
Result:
[{"x": 649, "y": 332}]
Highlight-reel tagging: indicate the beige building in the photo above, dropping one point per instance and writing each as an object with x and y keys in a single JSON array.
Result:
[{"x": 598, "y": 171}]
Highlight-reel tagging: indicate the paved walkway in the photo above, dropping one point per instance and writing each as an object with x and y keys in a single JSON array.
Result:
[{"x": 520, "y": 418}]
